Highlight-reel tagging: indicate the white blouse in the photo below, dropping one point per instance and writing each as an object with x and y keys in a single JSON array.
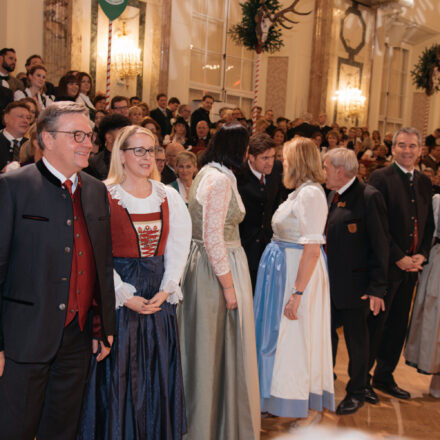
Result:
[
  {"x": 302, "y": 217},
  {"x": 20, "y": 94},
  {"x": 178, "y": 242}
]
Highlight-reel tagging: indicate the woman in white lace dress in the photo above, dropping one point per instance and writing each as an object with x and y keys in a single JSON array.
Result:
[
  {"x": 216, "y": 320},
  {"x": 137, "y": 392}
]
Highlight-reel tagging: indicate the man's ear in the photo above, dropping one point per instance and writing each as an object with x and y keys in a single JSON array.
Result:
[{"x": 48, "y": 140}]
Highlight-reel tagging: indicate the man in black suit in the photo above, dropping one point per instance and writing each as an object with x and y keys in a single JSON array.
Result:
[
  {"x": 202, "y": 113},
  {"x": 407, "y": 194},
  {"x": 168, "y": 174},
  {"x": 162, "y": 115},
  {"x": 358, "y": 252},
  {"x": 6, "y": 96},
  {"x": 56, "y": 280},
  {"x": 109, "y": 127},
  {"x": 432, "y": 160},
  {"x": 16, "y": 118},
  {"x": 259, "y": 185}
]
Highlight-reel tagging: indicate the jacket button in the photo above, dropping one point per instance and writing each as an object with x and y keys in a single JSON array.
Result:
[
  {"x": 69, "y": 222},
  {"x": 62, "y": 306},
  {"x": 67, "y": 250},
  {"x": 64, "y": 196},
  {"x": 80, "y": 253},
  {"x": 64, "y": 279}
]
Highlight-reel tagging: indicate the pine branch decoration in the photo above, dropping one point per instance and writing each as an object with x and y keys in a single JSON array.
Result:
[
  {"x": 245, "y": 32},
  {"x": 426, "y": 71}
]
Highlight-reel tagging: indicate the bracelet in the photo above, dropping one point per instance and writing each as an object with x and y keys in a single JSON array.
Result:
[
  {"x": 296, "y": 292},
  {"x": 227, "y": 288}
]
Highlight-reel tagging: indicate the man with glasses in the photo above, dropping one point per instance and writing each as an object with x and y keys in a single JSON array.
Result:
[
  {"x": 56, "y": 280},
  {"x": 119, "y": 105}
]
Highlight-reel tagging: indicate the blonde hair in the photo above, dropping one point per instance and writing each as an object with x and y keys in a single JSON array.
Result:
[
  {"x": 303, "y": 162},
  {"x": 116, "y": 173},
  {"x": 186, "y": 156}
]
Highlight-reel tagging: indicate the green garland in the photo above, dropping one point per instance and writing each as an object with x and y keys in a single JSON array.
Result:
[
  {"x": 423, "y": 70},
  {"x": 245, "y": 32}
]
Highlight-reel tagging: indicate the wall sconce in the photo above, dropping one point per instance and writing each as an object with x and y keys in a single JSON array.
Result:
[
  {"x": 350, "y": 102},
  {"x": 126, "y": 56}
]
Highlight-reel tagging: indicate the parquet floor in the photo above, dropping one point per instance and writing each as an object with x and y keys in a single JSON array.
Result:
[{"x": 418, "y": 418}]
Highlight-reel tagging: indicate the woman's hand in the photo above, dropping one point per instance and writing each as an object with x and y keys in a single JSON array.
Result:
[
  {"x": 141, "y": 305},
  {"x": 291, "y": 309},
  {"x": 158, "y": 299},
  {"x": 230, "y": 297}
]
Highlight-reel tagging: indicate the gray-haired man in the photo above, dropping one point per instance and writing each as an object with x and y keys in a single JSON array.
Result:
[{"x": 357, "y": 252}]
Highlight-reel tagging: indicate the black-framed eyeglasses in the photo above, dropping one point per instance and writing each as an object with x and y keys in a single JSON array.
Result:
[
  {"x": 78, "y": 135},
  {"x": 140, "y": 151}
]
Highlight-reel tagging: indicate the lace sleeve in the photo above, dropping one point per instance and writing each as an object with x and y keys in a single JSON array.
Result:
[
  {"x": 214, "y": 194},
  {"x": 123, "y": 291}
]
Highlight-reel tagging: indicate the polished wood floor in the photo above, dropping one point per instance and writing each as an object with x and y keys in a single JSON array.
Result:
[{"x": 418, "y": 418}]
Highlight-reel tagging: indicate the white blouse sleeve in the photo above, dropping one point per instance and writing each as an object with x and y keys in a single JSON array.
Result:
[
  {"x": 177, "y": 248},
  {"x": 214, "y": 194},
  {"x": 312, "y": 215},
  {"x": 19, "y": 94},
  {"x": 123, "y": 291}
]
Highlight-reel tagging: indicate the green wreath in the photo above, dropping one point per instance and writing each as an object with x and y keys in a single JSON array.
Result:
[
  {"x": 245, "y": 33},
  {"x": 424, "y": 70}
]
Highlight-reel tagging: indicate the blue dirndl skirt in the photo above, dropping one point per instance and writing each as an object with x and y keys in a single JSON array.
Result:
[{"x": 137, "y": 391}]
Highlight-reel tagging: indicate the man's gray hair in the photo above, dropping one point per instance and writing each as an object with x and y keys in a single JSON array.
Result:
[
  {"x": 408, "y": 130},
  {"x": 342, "y": 157},
  {"x": 48, "y": 119}
]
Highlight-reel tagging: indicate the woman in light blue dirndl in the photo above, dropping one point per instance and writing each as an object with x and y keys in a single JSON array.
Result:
[{"x": 292, "y": 297}]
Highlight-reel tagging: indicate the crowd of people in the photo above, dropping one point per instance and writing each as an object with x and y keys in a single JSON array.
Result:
[{"x": 165, "y": 274}]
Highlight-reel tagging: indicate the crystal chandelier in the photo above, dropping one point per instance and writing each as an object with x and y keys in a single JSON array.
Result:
[
  {"x": 126, "y": 56},
  {"x": 350, "y": 101}
]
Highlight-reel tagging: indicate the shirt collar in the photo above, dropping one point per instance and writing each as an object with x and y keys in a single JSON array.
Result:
[
  {"x": 405, "y": 171},
  {"x": 9, "y": 136},
  {"x": 255, "y": 172},
  {"x": 344, "y": 188},
  {"x": 61, "y": 177}
]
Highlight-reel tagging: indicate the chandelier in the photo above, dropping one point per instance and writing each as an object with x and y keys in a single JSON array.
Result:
[
  {"x": 126, "y": 56},
  {"x": 350, "y": 101}
]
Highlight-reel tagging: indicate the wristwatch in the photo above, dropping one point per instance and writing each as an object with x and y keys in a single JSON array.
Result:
[{"x": 296, "y": 292}]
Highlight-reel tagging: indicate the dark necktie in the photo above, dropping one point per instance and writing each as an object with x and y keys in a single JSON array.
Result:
[
  {"x": 332, "y": 205},
  {"x": 16, "y": 150},
  {"x": 410, "y": 176},
  {"x": 262, "y": 179}
]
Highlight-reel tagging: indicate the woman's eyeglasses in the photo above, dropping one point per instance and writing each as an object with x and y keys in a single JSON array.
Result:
[{"x": 140, "y": 151}]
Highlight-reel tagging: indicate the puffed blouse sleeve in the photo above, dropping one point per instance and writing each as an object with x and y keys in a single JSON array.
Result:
[
  {"x": 312, "y": 213},
  {"x": 214, "y": 194},
  {"x": 177, "y": 247}
]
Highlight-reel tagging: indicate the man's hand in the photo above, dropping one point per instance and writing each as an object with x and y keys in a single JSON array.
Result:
[
  {"x": 407, "y": 264},
  {"x": 418, "y": 260},
  {"x": 376, "y": 304},
  {"x": 104, "y": 352},
  {"x": 2, "y": 362}
]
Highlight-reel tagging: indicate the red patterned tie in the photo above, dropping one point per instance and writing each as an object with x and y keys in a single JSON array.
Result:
[
  {"x": 262, "y": 179},
  {"x": 68, "y": 184}
]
